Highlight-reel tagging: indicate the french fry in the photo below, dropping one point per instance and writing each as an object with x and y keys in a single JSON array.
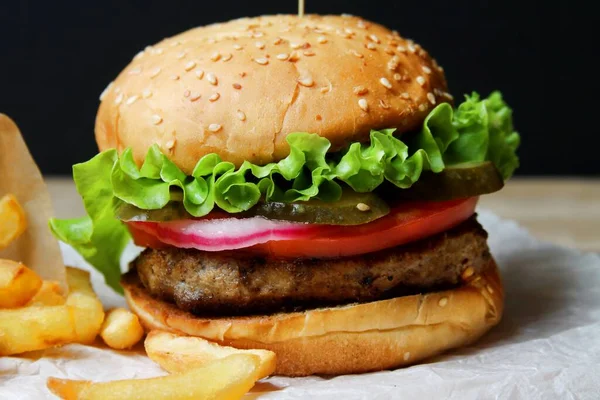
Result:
[
  {"x": 87, "y": 308},
  {"x": 50, "y": 294},
  {"x": 227, "y": 379},
  {"x": 35, "y": 328},
  {"x": 176, "y": 353},
  {"x": 18, "y": 284},
  {"x": 12, "y": 220},
  {"x": 121, "y": 329}
]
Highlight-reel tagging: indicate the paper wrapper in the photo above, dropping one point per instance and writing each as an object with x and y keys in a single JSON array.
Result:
[
  {"x": 37, "y": 248},
  {"x": 546, "y": 347}
]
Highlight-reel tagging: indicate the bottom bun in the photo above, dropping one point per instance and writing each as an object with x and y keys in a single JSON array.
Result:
[{"x": 347, "y": 339}]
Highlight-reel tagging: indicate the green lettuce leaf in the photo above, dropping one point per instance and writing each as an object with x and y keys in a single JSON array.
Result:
[{"x": 477, "y": 130}]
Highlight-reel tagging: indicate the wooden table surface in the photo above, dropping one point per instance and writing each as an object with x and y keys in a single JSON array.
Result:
[{"x": 564, "y": 211}]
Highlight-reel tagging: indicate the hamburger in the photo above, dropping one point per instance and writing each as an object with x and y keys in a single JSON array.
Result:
[{"x": 303, "y": 185}]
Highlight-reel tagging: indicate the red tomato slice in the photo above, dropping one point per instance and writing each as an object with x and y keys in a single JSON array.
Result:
[{"x": 406, "y": 223}]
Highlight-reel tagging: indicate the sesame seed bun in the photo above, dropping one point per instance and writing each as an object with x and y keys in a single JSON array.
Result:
[
  {"x": 238, "y": 88},
  {"x": 348, "y": 339}
]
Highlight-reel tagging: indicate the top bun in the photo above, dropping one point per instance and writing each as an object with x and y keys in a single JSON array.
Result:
[{"x": 239, "y": 88}]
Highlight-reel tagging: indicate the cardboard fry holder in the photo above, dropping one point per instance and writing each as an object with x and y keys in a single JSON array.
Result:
[{"x": 37, "y": 247}]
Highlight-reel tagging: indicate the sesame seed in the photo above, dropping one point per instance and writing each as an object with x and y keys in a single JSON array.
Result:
[
  {"x": 489, "y": 289},
  {"x": 356, "y": 53},
  {"x": 199, "y": 73},
  {"x": 349, "y": 31},
  {"x": 282, "y": 56},
  {"x": 393, "y": 64},
  {"x": 158, "y": 51},
  {"x": 119, "y": 98},
  {"x": 175, "y": 43},
  {"x": 362, "y": 103},
  {"x": 361, "y": 24},
  {"x": 426, "y": 69},
  {"x": 325, "y": 89},
  {"x": 237, "y": 86},
  {"x": 295, "y": 45},
  {"x": 397, "y": 77},
  {"x": 260, "y": 45},
  {"x": 431, "y": 98},
  {"x": 227, "y": 57},
  {"x": 237, "y": 47},
  {"x": 190, "y": 65},
  {"x": 240, "y": 114},
  {"x": 105, "y": 91},
  {"x": 370, "y": 46},
  {"x": 401, "y": 49},
  {"x": 443, "y": 301},
  {"x": 360, "y": 90},
  {"x": 374, "y": 38},
  {"x": 117, "y": 89},
  {"x": 139, "y": 55},
  {"x": 385, "y": 82},
  {"x": 147, "y": 93},
  {"x": 277, "y": 41},
  {"x": 214, "y": 127},
  {"x": 389, "y": 51},
  {"x": 467, "y": 273},
  {"x": 181, "y": 54},
  {"x": 383, "y": 104},
  {"x": 215, "y": 56},
  {"x": 448, "y": 95},
  {"x": 155, "y": 72},
  {"x": 405, "y": 95},
  {"x": 170, "y": 144},
  {"x": 186, "y": 93},
  {"x": 306, "y": 81},
  {"x": 214, "y": 97},
  {"x": 261, "y": 61},
  {"x": 420, "y": 80},
  {"x": 135, "y": 71},
  {"x": 343, "y": 34},
  {"x": 242, "y": 74},
  {"x": 412, "y": 48},
  {"x": 174, "y": 77},
  {"x": 195, "y": 96},
  {"x": 293, "y": 57},
  {"x": 258, "y": 35},
  {"x": 156, "y": 119},
  {"x": 422, "y": 107},
  {"x": 406, "y": 356},
  {"x": 322, "y": 40},
  {"x": 132, "y": 99},
  {"x": 212, "y": 79},
  {"x": 309, "y": 53}
]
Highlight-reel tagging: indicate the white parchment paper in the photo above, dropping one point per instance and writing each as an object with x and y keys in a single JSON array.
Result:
[{"x": 546, "y": 347}]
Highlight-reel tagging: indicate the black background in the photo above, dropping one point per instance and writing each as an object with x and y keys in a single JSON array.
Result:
[{"x": 56, "y": 58}]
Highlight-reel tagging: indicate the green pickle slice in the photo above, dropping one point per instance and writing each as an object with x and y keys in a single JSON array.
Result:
[
  {"x": 454, "y": 182},
  {"x": 352, "y": 209}
]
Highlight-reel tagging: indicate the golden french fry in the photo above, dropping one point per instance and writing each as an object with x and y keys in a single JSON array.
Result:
[
  {"x": 50, "y": 294},
  {"x": 35, "y": 328},
  {"x": 18, "y": 284},
  {"x": 226, "y": 379},
  {"x": 176, "y": 353},
  {"x": 87, "y": 308},
  {"x": 12, "y": 220},
  {"x": 121, "y": 329}
]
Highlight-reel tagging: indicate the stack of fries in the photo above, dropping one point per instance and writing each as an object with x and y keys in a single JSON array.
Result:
[{"x": 35, "y": 314}]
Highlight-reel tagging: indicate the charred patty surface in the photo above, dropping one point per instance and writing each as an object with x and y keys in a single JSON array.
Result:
[{"x": 218, "y": 283}]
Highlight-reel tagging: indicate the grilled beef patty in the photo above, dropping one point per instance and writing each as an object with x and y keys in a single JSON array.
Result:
[{"x": 233, "y": 284}]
